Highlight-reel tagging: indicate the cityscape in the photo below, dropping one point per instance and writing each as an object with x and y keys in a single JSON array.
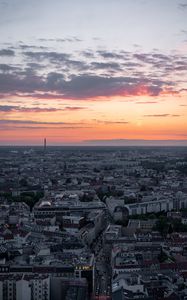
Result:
[
  {"x": 93, "y": 150},
  {"x": 93, "y": 223}
]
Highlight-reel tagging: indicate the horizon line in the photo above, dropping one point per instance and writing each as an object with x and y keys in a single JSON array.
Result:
[{"x": 98, "y": 143}]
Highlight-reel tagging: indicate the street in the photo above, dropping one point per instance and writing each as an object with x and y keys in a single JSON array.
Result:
[{"x": 102, "y": 270}]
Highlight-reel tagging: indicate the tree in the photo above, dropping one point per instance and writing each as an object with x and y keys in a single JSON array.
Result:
[{"x": 162, "y": 225}]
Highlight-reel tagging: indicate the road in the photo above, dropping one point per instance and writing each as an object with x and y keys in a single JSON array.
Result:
[{"x": 102, "y": 269}]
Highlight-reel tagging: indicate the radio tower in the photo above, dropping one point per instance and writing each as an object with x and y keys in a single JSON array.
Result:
[{"x": 45, "y": 144}]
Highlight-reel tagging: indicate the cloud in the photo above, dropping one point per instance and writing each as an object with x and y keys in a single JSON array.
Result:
[
  {"x": 146, "y": 102},
  {"x": 15, "y": 128},
  {"x": 80, "y": 87},
  {"x": 161, "y": 115},
  {"x": 111, "y": 122},
  {"x": 69, "y": 39},
  {"x": 12, "y": 108},
  {"x": 103, "y": 66},
  {"x": 58, "y": 75},
  {"x": 74, "y": 108},
  {"x": 18, "y": 124},
  {"x": 30, "y": 122},
  {"x": 157, "y": 116},
  {"x": 13, "y": 121},
  {"x": 112, "y": 55},
  {"x": 7, "y": 52},
  {"x": 35, "y": 66},
  {"x": 7, "y": 68},
  {"x": 116, "y": 122},
  {"x": 59, "y": 59},
  {"x": 182, "y": 5},
  {"x": 26, "y": 47},
  {"x": 12, "y": 83},
  {"x": 146, "y": 58},
  {"x": 52, "y": 56},
  {"x": 41, "y": 95},
  {"x": 161, "y": 56},
  {"x": 36, "y": 109},
  {"x": 77, "y": 65},
  {"x": 88, "y": 54},
  {"x": 7, "y": 108},
  {"x": 183, "y": 31},
  {"x": 88, "y": 86}
]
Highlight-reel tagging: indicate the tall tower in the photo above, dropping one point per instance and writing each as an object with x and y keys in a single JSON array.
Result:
[{"x": 45, "y": 144}]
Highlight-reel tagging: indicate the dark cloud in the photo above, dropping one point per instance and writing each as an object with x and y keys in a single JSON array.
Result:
[
  {"x": 109, "y": 66},
  {"x": 7, "y": 52},
  {"x": 11, "y": 84},
  {"x": 99, "y": 74},
  {"x": 181, "y": 68},
  {"x": 131, "y": 64},
  {"x": 45, "y": 128},
  {"x": 88, "y": 86},
  {"x": 12, "y": 121},
  {"x": 7, "y": 108},
  {"x": 83, "y": 86},
  {"x": 13, "y": 125},
  {"x": 88, "y": 54},
  {"x": 51, "y": 56},
  {"x": 183, "y": 90},
  {"x": 112, "y": 55},
  {"x": 35, "y": 66},
  {"x": 29, "y": 122},
  {"x": 15, "y": 128},
  {"x": 183, "y": 5},
  {"x": 146, "y": 58},
  {"x": 25, "y": 47},
  {"x": 161, "y": 56},
  {"x": 77, "y": 65},
  {"x": 7, "y": 68},
  {"x": 58, "y": 59},
  {"x": 12, "y": 108},
  {"x": 74, "y": 108},
  {"x": 184, "y": 31}
]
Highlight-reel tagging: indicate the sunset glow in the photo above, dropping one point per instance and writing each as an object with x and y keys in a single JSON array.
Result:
[{"x": 70, "y": 83}]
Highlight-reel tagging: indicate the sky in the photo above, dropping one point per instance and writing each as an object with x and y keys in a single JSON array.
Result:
[{"x": 102, "y": 72}]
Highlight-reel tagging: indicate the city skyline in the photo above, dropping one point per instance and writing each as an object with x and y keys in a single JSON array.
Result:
[{"x": 93, "y": 73}]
